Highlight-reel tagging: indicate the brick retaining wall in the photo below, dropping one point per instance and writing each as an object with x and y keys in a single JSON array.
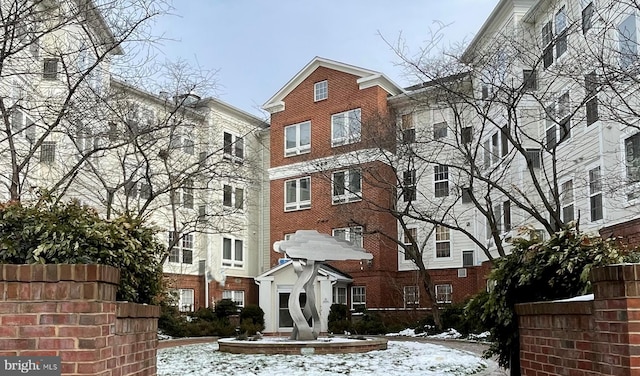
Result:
[
  {"x": 585, "y": 338},
  {"x": 70, "y": 311}
]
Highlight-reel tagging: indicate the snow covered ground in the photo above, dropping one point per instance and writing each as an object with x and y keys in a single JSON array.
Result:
[{"x": 400, "y": 359}]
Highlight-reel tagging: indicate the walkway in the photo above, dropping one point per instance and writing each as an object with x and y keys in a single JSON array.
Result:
[{"x": 477, "y": 348}]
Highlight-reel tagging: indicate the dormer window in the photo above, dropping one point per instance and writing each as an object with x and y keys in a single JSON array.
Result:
[{"x": 320, "y": 90}]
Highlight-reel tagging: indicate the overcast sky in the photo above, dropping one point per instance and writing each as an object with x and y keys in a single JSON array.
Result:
[{"x": 257, "y": 45}]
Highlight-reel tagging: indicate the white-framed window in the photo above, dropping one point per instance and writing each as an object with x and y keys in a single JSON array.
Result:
[
  {"x": 320, "y": 90},
  {"x": 183, "y": 247},
  {"x": 339, "y": 295},
  {"x": 628, "y": 41},
  {"x": 174, "y": 252},
  {"x": 466, "y": 135},
  {"x": 187, "y": 249},
  {"x": 468, "y": 258},
  {"x": 351, "y": 234},
  {"x": 410, "y": 247},
  {"x": 595, "y": 194},
  {"x": 441, "y": 181},
  {"x": 529, "y": 80},
  {"x": 558, "y": 121},
  {"x": 187, "y": 193},
  {"x": 232, "y": 252},
  {"x": 358, "y": 297},
  {"x": 297, "y": 139},
  {"x": 566, "y": 198},
  {"x": 50, "y": 69},
  {"x": 346, "y": 127},
  {"x": 440, "y": 130},
  {"x": 236, "y": 296},
  {"x": 21, "y": 122},
  {"x": 186, "y": 300},
  {"x": 547, "y": 44},
  {"x": 233, "y": 147},
  {"x": 632, "y": 157},
  {"x": 409, "y": 191},
  {"x": 297, "y": 193},
  {"x": 411, "y": 296},
  {"x": 506, "y": 215},
  {"x": 492, "y": 148},
  {"x": 533, "y": 157},
  {"x": 408, "y": 131},
  {"x": 561, "y": 32},
  {"x": 347, "y": 186},
  {"x": 232, "y": 197},
  {"x": 48, "y": 152},
  {"x": 443, "y": 293},
  {"x": 591, "y": 94},
  {"x": 443, "y": 242},
  {"x": 587, "y": 17}
]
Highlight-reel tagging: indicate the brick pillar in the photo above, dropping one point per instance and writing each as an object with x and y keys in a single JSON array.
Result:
[
  {"x": 70, "y": 311},
  {"x": 617, "y": 319}
]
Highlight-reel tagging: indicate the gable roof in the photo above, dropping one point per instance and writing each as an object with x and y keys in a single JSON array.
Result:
[
  {"x": 325, "y": 270},
  {"x": 368, "y": 78}
]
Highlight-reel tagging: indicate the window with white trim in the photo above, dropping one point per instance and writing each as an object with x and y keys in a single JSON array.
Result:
[
  {"x": 297, "y": 194},
  {"x": 185, "y": 301},
  {"x": 297, "y": 139},
  {"x": 408, "y": 131},
  {"x": 441, "y": 181},
  {"x": 351, "y": 234},
  {"x": 591, "y": 97},
  {"x": 558, "y": 121},
  {"x": 232, "y": 252},
  {"x": 339, "y": 295},
  {"x": 468, "y": 259},
  {"x": 187, "y": 249},
  {"x": 466, "y": 135},
  {"x": 595, "y": 194},
  {"x": 48, "y": 152},
  {"x": 443, "y": 293},
  {"x": 632, "y": 157},
  {"x": 183, "y": 246},
  {"x": 443, "y": 242},
  {"x": 410, "y": 247},
  {"x": 50, "y": 69},
  {"x": 358, "y": 297},
  {"x": 187, "y": 193},
  {"x": 409, "y": 191},
  {"x": 440, "y": 130},
  {"x": 547, "y": 44},
  {"x": 506, "y": 213},
  {"x": 411, "y": 296},
  {"x": 347, "y": 186},
  {"x": 232, "y": 197},
  {"x": 628, "y": 41},
  {"x": 561, "y": 32},
  {"x": 345, "y": 127},
  {"x": 320, "y": 90},
  {"x": 21, "y": 122},
  {"x": 236, "y": 296},
  {"x": 233, "y": 147},
  {"x": 566, "y": 198},
  {"x": 587, "y": 17}
]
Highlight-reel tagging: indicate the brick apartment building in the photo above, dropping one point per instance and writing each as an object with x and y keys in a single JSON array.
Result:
[{"x": 329, "y": 129}]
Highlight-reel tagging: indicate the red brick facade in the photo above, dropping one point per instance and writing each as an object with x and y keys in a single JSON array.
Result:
[
  {"x": 384, "y": 284},
  {"x": 70, "y": 311},
  {"x": 589, "y": 338}
]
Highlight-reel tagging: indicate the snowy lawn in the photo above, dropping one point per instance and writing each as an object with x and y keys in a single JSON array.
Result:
[{"x": 400, "y": 359}]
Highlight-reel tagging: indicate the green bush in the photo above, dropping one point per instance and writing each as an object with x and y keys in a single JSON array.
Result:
[
  {"x": 538, "y": 271},
  {"x": 369, "y": 323},
  {"x": 225, "y": 308},
  {"x": 49, "y": 232},
  {"x": 201, "y": 323},
  {"x": 339, "y": 320},
  {"x": 251, "y": 319}
]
